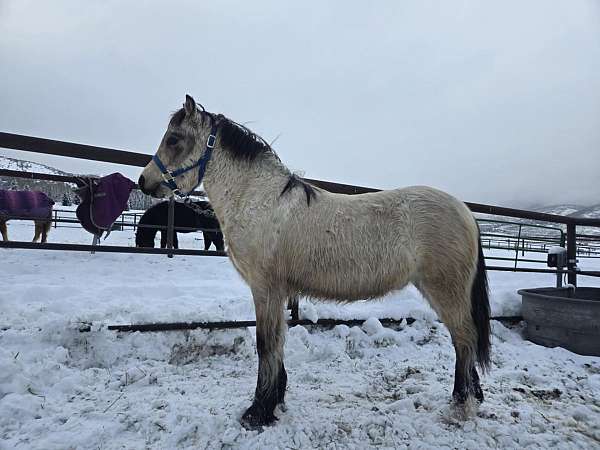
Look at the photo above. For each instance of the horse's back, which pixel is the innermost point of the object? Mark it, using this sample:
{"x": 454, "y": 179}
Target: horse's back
{"x": 359, "y": 246}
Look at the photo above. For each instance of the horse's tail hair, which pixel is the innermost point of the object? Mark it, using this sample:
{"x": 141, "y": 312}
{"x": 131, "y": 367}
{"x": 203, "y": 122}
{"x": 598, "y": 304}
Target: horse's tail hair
{"x": 480, "y": 311}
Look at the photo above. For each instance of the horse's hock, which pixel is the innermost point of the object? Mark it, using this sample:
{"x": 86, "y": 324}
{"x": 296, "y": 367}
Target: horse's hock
{"x": 567, "y": 317}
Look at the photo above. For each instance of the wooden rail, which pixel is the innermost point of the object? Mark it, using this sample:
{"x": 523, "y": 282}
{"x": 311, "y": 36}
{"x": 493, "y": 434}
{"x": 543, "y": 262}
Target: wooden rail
{"x": 104, "y": 154}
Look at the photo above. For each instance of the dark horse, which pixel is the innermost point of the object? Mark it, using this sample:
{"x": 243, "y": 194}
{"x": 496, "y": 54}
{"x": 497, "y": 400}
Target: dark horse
{"x": 199, "y": 216}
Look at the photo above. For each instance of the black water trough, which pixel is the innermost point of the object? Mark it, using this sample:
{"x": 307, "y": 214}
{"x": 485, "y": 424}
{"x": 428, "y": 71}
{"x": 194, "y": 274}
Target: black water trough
{"x": 565, "y": 317}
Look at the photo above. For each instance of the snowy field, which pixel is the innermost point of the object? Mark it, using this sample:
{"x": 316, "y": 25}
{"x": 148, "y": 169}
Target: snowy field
{"x": 359, "y": 387}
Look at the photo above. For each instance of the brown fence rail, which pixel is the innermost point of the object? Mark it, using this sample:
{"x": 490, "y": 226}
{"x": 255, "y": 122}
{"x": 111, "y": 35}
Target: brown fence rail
{"x": 103, "y": 154}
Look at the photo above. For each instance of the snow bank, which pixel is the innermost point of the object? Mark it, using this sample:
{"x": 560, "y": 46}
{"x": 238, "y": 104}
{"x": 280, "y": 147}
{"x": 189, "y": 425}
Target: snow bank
{"x": 349, "y": 387}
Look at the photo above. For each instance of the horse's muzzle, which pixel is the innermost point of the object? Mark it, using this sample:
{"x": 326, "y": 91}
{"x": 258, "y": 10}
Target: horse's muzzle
{"x": 141, "y": 185}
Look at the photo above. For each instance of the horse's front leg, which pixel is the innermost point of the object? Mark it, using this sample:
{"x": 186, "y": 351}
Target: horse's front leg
{"x": 272, "y": 377}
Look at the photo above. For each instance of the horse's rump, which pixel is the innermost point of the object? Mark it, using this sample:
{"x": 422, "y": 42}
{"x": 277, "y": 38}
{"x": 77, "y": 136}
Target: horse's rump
{"x": 33, "y": 205}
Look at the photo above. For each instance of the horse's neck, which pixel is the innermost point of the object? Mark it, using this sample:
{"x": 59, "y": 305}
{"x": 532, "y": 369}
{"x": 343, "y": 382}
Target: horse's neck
{"x": 242, "y": 192}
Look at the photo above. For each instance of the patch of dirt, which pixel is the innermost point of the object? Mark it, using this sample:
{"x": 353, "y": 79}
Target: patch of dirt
{"x": 541, "y": 394}
{"x": 190, "y": 352}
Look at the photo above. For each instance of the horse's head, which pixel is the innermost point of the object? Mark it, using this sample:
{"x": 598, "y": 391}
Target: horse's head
{"x": 183, "y": 153}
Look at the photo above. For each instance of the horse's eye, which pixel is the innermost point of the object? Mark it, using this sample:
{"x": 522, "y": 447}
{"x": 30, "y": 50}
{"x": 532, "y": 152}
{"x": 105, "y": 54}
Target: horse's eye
{"x": 172, "y": 140}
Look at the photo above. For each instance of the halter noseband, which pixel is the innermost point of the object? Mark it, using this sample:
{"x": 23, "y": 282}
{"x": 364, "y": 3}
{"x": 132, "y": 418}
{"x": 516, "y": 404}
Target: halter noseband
{"x": 169, "y": 177}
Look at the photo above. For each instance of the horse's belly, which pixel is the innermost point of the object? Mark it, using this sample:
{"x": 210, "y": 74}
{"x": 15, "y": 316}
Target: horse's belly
{"x": 350, "y": 285}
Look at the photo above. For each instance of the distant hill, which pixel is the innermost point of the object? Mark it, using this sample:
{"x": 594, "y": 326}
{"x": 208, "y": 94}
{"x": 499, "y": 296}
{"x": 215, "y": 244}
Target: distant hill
{"x": 496, "y": 225}
{"x": 28, "y": 166}
{"x": 571, "y": 210}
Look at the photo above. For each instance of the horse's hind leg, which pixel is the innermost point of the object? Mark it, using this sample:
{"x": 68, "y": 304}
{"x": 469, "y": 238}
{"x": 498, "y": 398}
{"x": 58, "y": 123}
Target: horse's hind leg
{"x": 4, "y": 230}
{"x": 219, "y": 242}
{"x": 292, "y": 305}
{"x": 38, "y": 231}
{"x": 45, "y": 230}
{"x": 272, "y": 377}
{"x": 207, "y": 240}
{"x": 454, "y": 309}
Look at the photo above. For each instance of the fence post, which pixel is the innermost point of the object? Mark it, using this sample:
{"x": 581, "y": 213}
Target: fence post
{"x": 517, "y": 246}
{"x": 572, "y": 253}
{"x": 170, "y": 225}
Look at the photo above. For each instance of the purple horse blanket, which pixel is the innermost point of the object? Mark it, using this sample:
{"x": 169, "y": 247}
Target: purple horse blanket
{"x": 25, "y": 205}
{"x": 102, "y": 201}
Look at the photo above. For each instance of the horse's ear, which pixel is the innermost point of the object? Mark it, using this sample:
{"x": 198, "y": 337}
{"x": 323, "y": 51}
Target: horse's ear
{"x": 189, "y": 106}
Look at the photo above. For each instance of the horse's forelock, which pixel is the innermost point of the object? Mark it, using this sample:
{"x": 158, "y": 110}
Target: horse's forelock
{"x": 177, "y": 117}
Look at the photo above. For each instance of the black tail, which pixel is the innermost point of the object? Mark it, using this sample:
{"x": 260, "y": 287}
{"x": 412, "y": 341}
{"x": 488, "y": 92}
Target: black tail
{"x": 480, "y": 312}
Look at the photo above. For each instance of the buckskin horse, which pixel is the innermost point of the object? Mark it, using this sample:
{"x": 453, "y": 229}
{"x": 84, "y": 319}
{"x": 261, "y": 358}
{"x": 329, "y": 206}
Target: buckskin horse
{"x": 287, "y": 238}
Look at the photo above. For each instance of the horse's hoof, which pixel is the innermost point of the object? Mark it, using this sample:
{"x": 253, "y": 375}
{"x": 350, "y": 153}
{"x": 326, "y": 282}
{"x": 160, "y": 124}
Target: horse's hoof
{"x": 256, "y": 417}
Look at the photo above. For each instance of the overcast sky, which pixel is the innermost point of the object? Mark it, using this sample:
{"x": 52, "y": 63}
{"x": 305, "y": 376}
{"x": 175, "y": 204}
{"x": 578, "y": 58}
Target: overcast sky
{"x": 495, "y": 102}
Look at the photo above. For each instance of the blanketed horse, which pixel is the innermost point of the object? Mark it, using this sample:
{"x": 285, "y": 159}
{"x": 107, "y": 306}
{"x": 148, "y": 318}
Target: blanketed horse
{"x": 26, "y": 205}
{"x": 192, "y": 217}
{"x": 287, "y": 238}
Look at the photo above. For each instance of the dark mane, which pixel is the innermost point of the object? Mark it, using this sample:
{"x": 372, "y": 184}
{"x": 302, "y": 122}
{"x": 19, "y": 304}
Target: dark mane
{"x": 245, "y": 145}
{"x": 235, "y": 138}
{"x": 294, "y": 181}
{"x": 241, "y": 142}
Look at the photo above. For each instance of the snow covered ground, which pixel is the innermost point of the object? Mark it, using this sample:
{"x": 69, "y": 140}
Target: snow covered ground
{"x": 359, "y": 387}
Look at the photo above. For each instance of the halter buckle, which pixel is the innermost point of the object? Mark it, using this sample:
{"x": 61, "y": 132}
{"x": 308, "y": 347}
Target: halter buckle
{"x": 210, "y": 141}
{"x": 169, "y": 178}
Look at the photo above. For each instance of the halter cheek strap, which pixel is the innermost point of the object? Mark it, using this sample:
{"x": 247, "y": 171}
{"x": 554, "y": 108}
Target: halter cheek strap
{"x": 169, "y": 177}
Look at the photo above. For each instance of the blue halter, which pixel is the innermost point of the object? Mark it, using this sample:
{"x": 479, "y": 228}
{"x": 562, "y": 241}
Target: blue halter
{"x": 169, "y": 177}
